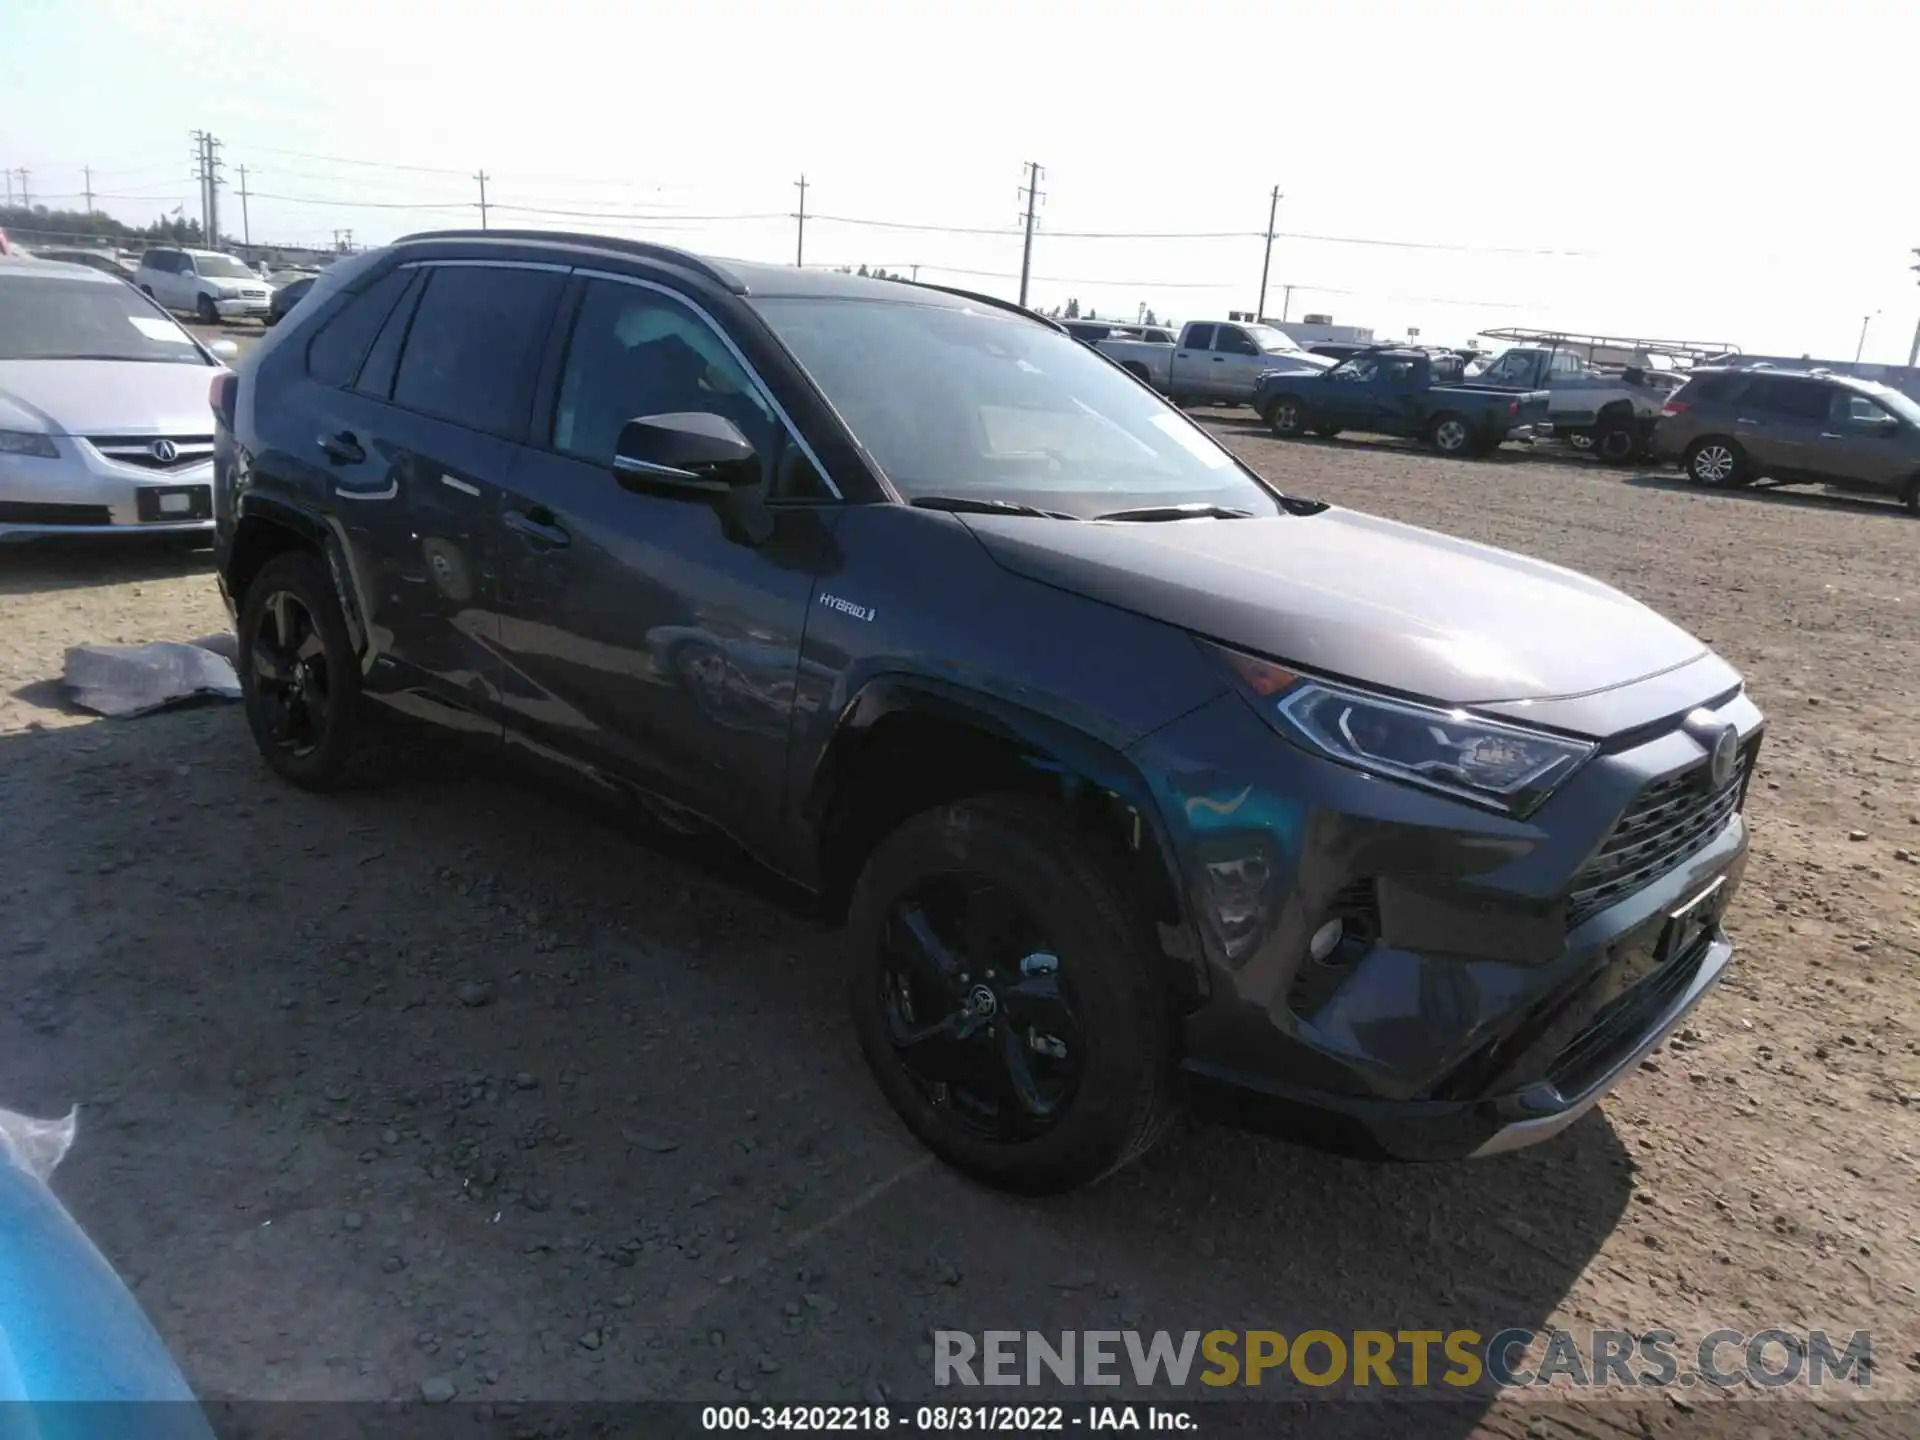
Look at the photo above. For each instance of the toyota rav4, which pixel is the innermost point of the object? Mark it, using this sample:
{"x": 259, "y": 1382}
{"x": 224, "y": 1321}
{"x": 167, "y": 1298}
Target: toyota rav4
{"x": 1138, "y": 779}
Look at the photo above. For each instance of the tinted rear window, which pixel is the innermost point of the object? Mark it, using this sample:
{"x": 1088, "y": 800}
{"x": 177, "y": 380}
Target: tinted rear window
{"x": 337, "y": 348}
{"x": 470, "y": 348}
{"x": 1800, "y": 399}
{"x": 1707, "y": 388}
{"x": 1199, "y": 337}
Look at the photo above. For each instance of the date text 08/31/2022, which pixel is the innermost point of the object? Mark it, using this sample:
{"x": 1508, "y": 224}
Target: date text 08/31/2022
{"x": 943, "y": 1419}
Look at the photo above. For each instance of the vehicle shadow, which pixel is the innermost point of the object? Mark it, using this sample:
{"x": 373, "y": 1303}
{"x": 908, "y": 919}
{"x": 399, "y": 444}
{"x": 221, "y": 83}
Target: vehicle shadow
{"x": 55, "y": 564}
{"x": 549, "y": 1061}
{"x": 1763, "y": 493}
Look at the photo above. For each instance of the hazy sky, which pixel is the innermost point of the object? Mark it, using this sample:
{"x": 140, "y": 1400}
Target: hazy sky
{"x": 1678, "y": 169}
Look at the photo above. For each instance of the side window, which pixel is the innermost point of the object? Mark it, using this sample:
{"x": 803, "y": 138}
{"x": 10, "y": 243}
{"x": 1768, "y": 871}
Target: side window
{"x": 1715, "y": 389}
{"x": 1358, "y": 371}
{"x": 636, "y": 352}
{"x": 383, "y": 358}
{"x": 334, "y": 353}
{"x": 187, "y": 264}
{"x": 1564, "y": 363}
{"x": 1792, "y": 399}
{"x": 1857, "y": 411}
{"x": 1508, "y": 368}
{"x": 1235, "y": 342}
{"x": 1199, "y": 337}
{"x": 162, "y": 260}
{"x": 470, "y": 351}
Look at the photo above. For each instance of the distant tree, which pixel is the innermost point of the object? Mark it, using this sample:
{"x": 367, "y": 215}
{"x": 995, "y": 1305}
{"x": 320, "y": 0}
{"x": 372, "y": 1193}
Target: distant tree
{"x": 1150, "y": 319}
{"x": 78, "y": 225}
{"x": 1073, "y": 309}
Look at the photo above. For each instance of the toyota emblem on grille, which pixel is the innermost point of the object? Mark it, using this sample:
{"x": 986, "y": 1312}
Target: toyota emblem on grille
{"x": 1721, "y": 741}
{"x": 165, "y": 451}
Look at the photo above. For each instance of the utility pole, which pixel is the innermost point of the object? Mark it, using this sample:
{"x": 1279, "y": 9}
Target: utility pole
{"x": 9, "y": 189}
{"x": 213, "y": 193}
{"x": 1032, "y": 191}
{"x": 1913, "y": 353}
{"x": 481, "y": 176}
{"x": 87, "y": 170}
{"x": 800, "y": 236}
{"x": 916, "y": 274}
{"x": 1858, "y": 350}
{"x": 1286, "y": 301}
{"x": 1273, "y": 208}
{"x": 26, "y": 199}
{"x": 246, "y": 223}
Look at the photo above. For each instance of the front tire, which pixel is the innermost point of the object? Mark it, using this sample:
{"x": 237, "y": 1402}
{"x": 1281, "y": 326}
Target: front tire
{"x": 1286, "y": 419}
{"x": 300, "y": 680}
{"x": 1716, "y": 463}
{"x": 1912, "y": 498}
{"x": 203, "y": 309}
{"x": 1003, "y": 990}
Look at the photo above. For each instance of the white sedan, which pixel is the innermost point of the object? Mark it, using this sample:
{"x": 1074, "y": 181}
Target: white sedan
{"x": 105, "y": 426}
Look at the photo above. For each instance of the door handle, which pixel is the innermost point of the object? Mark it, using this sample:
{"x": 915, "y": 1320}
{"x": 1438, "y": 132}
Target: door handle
{"x": 538, "y": 525}
{"x": 341, "y": 449}
{"x": 1744, "y": 420}
{"x": 1829, "y": 435}
{"x": 1219, "y": 359}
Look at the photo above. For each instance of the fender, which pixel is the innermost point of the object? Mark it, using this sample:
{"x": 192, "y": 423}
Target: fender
{"x": 325, "y": 534}
{"x": 1080, "y": 767}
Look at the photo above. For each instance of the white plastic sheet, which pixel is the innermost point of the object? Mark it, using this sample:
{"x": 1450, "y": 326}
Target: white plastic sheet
{"x": 124, "y": 680}
{"x": 36, "y": 1146}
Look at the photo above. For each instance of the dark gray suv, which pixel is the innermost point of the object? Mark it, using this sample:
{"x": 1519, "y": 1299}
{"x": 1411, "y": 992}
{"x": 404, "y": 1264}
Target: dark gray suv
{"x": 1136, "y": 777}
{"x": 1728, "y": 427}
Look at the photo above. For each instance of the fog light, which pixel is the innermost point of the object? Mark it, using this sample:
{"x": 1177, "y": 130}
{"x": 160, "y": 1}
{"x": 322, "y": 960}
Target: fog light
{"x": 1325, "y": 938}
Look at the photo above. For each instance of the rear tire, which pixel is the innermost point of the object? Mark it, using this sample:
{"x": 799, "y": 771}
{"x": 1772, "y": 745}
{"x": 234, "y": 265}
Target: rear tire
{"x": 300, "y": 681}
{"x": 1450, "y": 434}
{"x": 1286, "y": 419}
{"x": 1616, "y": 442}
{"x": 1716, "y": 463}
{"x": 994, "y": 942}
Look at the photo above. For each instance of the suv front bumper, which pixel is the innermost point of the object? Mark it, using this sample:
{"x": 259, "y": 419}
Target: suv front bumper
{"x": 1470, "y": 1009}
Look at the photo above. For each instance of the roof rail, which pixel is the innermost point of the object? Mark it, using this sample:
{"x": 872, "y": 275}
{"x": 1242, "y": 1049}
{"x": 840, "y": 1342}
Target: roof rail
{"x": 1000, "y": 304}
{"x": 642, "y": 249}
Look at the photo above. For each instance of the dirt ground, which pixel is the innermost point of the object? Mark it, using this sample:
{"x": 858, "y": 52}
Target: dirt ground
{"x": 453, "y": 1082}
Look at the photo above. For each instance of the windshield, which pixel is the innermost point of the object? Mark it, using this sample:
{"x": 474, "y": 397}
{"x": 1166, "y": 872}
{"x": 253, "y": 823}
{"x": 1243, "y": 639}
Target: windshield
{"x": 222, "y": 267}
{"x": 982, "y": 405}
{"x": 53, "y": 319}
{"x": 1273, "y": 341}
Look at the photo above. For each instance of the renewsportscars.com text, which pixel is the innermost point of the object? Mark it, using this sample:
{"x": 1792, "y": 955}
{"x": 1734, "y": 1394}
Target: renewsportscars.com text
{"x": 1453, "y": 1359}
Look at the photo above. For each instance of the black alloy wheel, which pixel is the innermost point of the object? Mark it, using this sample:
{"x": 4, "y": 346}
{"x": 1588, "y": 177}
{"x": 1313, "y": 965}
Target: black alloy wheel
{"x": 976, "y": 1008}
{"x": 290, "y": 674}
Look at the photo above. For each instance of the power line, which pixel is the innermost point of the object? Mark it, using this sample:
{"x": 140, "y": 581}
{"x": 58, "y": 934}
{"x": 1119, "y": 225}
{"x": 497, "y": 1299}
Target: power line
{"x": 370, "y": 164}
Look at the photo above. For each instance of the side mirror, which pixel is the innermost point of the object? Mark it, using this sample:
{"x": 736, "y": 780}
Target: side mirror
{"x": 697, "y": 454}
{"x": 224, "y": 350}
{"x": 693, "y": 450}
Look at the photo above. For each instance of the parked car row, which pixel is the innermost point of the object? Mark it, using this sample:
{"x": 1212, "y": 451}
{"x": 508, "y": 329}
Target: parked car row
{"x": 1399, "y": 390}
{"x": 1139, "y": 779}
{"x": 1211, "y": 361}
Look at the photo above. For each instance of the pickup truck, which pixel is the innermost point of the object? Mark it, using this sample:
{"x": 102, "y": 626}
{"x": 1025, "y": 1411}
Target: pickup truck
{"x": 1606, "y": 409}
{"x": 1213, "y": 362}
{"x": 1398, "y": 391}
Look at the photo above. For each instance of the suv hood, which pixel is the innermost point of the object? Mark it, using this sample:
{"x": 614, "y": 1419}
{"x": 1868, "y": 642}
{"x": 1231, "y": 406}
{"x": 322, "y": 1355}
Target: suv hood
{"x": 1353, "y": 595}
{"x": 106, "y": 397}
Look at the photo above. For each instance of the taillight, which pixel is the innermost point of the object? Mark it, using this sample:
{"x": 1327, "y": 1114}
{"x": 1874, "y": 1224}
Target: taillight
{"x": 1513, "y": 407}
{"x": 1672, "y": 407}
{"x": 221, "y": 394}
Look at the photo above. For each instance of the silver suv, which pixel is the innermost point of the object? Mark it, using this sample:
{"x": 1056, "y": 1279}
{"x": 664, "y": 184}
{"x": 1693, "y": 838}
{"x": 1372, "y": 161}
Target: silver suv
{"x": 204, "y": 283}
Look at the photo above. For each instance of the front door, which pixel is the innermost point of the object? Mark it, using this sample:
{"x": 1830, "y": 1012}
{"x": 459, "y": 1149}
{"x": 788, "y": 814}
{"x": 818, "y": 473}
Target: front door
{"x": 643, "y": 635}
{"x": 1238, "y": 363}
{"x": 1861, "y": 444}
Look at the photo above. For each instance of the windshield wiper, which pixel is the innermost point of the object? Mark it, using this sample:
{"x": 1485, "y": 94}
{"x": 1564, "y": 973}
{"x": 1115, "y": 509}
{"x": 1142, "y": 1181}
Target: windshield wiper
{"x": 1178, "y": 512}
{"x": 964, "y": 505}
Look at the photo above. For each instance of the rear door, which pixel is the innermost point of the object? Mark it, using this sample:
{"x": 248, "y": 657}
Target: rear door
{"x": 1779, "y": 423}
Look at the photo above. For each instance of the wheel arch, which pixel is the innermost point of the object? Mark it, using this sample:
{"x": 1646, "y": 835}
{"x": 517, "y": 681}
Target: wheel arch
{"x": 268, "y": 529}
{"x": 906, "y": 744}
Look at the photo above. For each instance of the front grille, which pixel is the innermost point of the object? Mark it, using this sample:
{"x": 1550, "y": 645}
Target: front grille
{"x": 138, "y": 450}
{"x": 27, "y": 512}
{"x": 1621, "y": 1023}
{"x": 1669, "y": 823}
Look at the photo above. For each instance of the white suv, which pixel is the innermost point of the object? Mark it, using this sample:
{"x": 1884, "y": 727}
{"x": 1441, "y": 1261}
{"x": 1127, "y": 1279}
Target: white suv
{"x": 210, "y": 286}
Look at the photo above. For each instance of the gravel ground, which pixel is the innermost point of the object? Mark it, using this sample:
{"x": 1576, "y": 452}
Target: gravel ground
{"x": 453, "y": 1084}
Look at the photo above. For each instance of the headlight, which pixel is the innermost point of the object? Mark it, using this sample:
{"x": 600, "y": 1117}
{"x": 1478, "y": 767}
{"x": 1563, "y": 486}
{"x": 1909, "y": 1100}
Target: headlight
{"x": 27, "y": 442}
{"x": 1506, "y": 767}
